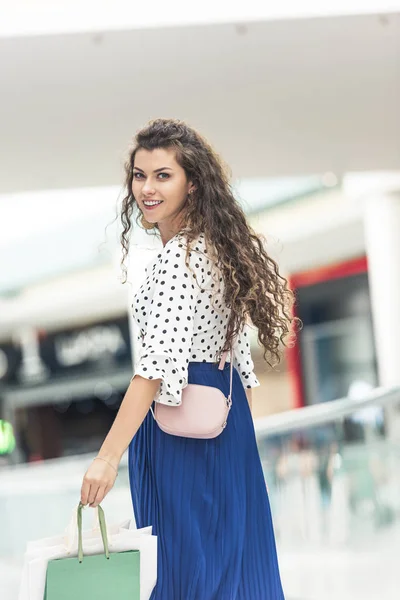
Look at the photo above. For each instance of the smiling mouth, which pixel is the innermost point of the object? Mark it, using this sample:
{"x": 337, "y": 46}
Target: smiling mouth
{"x": 158, "y": 202}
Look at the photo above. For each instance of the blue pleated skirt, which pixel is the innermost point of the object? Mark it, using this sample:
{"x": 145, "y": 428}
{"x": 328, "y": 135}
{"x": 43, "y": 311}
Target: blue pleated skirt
{"x": 208, "y": 504}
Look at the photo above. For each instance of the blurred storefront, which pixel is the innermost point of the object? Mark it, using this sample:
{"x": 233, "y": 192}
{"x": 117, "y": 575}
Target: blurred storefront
{"x": 61, "y": 389}
{"x": 339, "y": 248}
{"x": 336, "y": 352}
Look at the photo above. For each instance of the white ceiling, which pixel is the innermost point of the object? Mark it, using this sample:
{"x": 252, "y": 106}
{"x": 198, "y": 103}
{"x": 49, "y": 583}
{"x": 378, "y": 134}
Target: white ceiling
{"x": 275, "y": 98}
{"x": 46, "y": 17}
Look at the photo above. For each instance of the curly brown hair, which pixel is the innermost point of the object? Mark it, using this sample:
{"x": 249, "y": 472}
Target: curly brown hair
{"x": 253, "y": 288}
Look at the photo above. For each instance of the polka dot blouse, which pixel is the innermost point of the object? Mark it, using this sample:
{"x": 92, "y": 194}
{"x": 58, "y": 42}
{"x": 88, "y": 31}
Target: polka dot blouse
{"x": 182, "y": 318}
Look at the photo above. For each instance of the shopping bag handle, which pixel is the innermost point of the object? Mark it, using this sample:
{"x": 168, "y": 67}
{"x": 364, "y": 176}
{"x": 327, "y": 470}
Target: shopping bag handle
{"x": 103, "y": 530}
{"x": 70, "y": 537}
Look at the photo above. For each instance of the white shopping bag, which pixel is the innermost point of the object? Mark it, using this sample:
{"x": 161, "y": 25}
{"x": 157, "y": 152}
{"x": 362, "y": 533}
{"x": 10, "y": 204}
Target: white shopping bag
{"x": 70, "y": 536}
{"x": 120, "y": 538}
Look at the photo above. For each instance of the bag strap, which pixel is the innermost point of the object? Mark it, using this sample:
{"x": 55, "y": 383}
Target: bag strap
{"x": 103, "y": 530}
{"x": 221, "y": 366}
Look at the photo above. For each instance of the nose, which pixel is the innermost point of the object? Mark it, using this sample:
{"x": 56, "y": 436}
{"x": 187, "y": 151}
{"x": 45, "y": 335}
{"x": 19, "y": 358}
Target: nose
{"x": 147, "y": 188}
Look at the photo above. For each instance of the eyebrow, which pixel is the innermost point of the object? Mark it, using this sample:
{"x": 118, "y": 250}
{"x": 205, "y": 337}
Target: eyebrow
{"x": 155, "y": 170}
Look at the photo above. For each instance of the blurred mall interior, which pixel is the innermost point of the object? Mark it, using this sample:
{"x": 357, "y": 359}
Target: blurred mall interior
{"x": 304, "y": 108}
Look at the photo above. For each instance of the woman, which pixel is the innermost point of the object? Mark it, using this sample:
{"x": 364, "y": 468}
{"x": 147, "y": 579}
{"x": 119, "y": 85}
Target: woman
{"x": 205, "y": 498}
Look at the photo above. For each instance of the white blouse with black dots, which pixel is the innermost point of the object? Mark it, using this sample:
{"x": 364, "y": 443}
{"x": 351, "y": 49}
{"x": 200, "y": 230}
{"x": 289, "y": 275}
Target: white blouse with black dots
{"x": 178, "y": 323}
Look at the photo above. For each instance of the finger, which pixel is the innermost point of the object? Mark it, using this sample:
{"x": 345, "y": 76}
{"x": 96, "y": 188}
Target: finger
{"x": 101, "y": 492}
{"x": 85, "y": 490}
{"x": 93, "y": 492}
{"x": 106, "y": 490}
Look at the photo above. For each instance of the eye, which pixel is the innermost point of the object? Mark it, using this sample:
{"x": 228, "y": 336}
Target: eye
{"x": 138, "y": 175}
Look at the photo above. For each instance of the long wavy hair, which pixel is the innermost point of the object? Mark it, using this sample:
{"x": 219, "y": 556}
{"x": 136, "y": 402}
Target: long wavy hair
{"x": 253, "y": 288}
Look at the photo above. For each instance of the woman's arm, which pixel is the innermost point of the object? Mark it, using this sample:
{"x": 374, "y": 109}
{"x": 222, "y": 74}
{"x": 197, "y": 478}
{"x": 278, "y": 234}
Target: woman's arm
{"x": 101, "y": 475}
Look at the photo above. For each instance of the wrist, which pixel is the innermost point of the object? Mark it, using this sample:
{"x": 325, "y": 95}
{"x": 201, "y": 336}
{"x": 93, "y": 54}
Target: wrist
{"x": 111, "y": 457}
{"x": 103, "y": 460}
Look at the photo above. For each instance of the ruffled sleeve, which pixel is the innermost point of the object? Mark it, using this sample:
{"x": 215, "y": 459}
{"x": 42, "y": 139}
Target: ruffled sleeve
{"x": 166, "y": 346}
{"x": 242, "y": 359}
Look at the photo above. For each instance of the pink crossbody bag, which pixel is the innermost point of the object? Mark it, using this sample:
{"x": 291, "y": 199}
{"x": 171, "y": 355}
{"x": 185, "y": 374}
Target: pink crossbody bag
{"x": 203, "y": 413}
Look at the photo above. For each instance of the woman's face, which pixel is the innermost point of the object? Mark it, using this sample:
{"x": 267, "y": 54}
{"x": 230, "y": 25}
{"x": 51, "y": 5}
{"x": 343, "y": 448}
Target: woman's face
{"x": 158, "y": 177}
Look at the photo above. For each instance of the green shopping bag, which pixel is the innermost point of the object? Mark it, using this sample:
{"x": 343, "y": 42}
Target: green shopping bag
{"x": 114, "y": 576}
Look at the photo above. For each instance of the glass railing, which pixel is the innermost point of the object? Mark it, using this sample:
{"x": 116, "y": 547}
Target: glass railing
{"x": 333, "y": 475}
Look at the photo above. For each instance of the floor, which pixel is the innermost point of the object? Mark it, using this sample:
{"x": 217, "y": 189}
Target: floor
{"x": 331, "y": 576}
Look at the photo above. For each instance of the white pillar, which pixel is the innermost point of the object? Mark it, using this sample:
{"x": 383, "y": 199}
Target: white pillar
{"x": 382, "y": 236}
{"x": 380, "y": 197}
{"x": 379, "y": 194}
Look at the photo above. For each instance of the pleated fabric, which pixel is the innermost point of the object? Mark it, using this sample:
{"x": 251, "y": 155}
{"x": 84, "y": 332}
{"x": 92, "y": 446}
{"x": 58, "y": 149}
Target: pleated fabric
{"x": 208, "y": 504}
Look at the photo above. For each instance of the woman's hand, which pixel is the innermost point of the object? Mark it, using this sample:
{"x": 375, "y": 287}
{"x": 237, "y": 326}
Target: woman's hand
{"x": 100, "y": 476}
{"x": 97, "y": 482}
